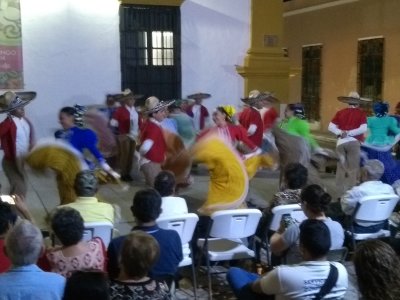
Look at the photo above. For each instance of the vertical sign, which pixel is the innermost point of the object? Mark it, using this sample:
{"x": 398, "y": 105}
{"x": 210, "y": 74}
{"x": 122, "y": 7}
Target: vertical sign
{"x": 11, "y": 71}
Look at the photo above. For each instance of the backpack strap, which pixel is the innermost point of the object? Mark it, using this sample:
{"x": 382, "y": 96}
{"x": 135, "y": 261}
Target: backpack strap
{"x": 329, "y": 283}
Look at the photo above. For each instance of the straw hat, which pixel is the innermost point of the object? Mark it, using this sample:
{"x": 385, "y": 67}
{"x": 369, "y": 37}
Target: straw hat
{"x": 353, "y": 99}
{"x": 153, "y": 104}
{"x": 10, "y": 101}
{"x": 199, "y": 96}
{"x": 126, "y": 95}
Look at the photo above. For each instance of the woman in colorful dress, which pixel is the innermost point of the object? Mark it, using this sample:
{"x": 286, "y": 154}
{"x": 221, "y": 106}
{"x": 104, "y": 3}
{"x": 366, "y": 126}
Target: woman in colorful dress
{"x": 384, "y": 133}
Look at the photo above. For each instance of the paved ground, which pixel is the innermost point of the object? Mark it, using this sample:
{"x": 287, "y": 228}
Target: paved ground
{"x": 43, "y": 197}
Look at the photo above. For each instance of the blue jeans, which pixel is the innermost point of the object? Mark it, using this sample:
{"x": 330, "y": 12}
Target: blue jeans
{"x": 369, "y": 229}
{"x": 239, "y": 280}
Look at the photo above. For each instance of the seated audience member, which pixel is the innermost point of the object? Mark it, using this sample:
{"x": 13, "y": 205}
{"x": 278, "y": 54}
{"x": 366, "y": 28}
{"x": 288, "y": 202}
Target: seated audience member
{"x": 25, "y": 280}
{"x": 83, "y": 285}
{"x": 302, "y": 281}
{"x": 8, "y": 217}
{"x": 74, "y": 253}
{"x": 370, "y": 185}
{"x": 295, "y": 178}
{"x": 378, "y": 274}
{"x": 171, "y": 205}
{"x": 314, "y": 202}
{"x": 146, "y": 209}
{"x": 89, "y": 207}
{"x": 139, "y": 253}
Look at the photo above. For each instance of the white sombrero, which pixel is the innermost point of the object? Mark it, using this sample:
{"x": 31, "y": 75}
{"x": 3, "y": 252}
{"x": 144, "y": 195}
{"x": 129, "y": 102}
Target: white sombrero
{"x": 10, "y": 101}
{"x": 153, "y": 104}
{"x": 353, "y": 98}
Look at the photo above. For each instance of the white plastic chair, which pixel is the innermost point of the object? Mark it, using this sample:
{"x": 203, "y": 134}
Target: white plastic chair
{"x": 184, "y": 225}
{"x": 224, "y": 241}
{"x": 294, "y": 210}
{"x": 103, "y": 230}
{"x": 372, "y": 209}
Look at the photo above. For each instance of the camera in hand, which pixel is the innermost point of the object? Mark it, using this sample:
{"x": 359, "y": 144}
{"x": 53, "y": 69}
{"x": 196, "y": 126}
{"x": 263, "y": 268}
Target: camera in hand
{"x": 288, "y": 220}
{"x": 7, "y": 199}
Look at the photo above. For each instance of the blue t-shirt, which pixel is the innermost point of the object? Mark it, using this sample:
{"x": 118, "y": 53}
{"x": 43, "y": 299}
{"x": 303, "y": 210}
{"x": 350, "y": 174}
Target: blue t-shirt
{"x": 170, "y": 252}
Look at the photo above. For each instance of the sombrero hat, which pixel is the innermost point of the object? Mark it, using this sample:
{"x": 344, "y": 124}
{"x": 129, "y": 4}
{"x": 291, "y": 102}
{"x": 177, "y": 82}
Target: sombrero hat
{"x": 153, "y": 104}
{"x": 127, "y": 94}
{"x": 269, "y": 96}
{"x": 199, "y": 96}
{"x": 10, "y": 101}
{"x": 254, "y": 95}
{"x": 353, "y": 98}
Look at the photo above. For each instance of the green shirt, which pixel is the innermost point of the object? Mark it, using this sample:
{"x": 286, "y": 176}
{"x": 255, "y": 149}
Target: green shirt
{"x": 299, "y": 127}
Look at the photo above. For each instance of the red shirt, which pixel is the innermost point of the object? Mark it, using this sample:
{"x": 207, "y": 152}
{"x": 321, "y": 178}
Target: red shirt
{"x": 269, "y": 118}
{"x": 152, "y": 131}
{"x": 5, "y": 263}
{"x": 233, "y": 132}
{"x": 203, "y": 115}
{"x": 350, "y": 118}
{"x": 8, "y": 137}
{"x": 250, "y": 116}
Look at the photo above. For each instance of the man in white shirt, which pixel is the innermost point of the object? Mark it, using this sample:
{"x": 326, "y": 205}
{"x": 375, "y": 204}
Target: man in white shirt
{"x": 302, "y": 281}
{"x": 16, "y": 134}
{"x": 126, "y": 121}
{"x": 370, "y": 185}
{"x": 171, "y": 205}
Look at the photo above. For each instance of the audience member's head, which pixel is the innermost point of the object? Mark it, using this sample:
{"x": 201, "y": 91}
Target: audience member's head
{"x": 314, "y": 200}
{"x": 67, "y": 224}
{"x": 85, "y": 184}
{"x": 315, "y": 239}
{"x": 378, "y": 275}
{"x": 373, "y": 169}
{"x": 164, "y": 183}
{"x": 295, "y": 176}
{"x": 146, "y": 206}
{"x": 7, "y": 217}
{"x": 24, "y": 244}
{"x": 83, "y": 285}
{"x": 140, "y": 251}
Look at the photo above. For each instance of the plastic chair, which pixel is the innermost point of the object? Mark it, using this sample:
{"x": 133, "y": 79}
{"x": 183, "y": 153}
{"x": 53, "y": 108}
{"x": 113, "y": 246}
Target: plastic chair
{"x": 294, "y": 210}
{"x": 338, "y": 255}
{"x": 103, "y": 230}
{"x": 373, "y": 209}
{"x": 184, "y": 225}
{"x": 262, "y": 240}
{"x": 224, "y": 240}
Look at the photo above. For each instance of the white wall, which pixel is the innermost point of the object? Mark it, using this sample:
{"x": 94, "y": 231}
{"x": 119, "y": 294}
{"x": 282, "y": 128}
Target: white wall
{"x": 215, "y": 38}
{"x": 71, "y": 52}
{"x": 71, "y": 55}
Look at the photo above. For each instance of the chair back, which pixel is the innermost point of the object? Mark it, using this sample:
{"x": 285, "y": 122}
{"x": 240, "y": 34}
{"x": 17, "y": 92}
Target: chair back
{"x": 102, "y": 230}
{"x": 234, "y": 223}
{"x": 376, "y": 208}
{"x": 183, "y": 224}
{"x": 294, "y": 210}
{"x": 338, "y": 255}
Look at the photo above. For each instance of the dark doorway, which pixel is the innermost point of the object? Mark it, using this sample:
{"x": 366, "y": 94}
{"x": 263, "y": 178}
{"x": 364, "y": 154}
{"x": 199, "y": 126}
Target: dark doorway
{"x": 151, "y": 50}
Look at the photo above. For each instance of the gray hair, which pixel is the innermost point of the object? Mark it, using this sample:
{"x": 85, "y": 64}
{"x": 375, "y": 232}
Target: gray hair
{"x": 85, "y": 184}
{"x": 374, "y": 169}
{"x": 24, "y": 243}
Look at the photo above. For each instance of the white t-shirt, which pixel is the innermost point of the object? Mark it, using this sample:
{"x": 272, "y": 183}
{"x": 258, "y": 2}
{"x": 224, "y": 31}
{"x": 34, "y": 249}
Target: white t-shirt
{"x": 292, "y": 234}
{"x": 172, "y": 205}
{"x": 22, "y": 137}
{"x": 303, "y": 281}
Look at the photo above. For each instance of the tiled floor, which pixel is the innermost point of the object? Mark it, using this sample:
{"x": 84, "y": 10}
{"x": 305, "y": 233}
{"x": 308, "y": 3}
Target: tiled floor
{"x": 43, "y": 197}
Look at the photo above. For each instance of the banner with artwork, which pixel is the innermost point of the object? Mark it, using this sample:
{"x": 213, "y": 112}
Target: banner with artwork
{"x": 11, "y": 70}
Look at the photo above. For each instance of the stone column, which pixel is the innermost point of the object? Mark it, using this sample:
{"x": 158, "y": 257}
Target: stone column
{"x": 265, "y": 66}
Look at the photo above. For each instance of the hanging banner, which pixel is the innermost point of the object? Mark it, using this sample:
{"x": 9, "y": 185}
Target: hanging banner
{"x": 11, "y": 71}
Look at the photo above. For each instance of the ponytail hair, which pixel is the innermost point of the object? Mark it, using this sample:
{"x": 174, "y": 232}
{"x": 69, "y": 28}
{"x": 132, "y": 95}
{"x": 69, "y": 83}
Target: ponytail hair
{"x": 316, "y": 198}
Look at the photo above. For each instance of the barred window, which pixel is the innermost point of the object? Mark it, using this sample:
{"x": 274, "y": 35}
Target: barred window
{"x": 311, "y": 81}
{"x": 370, "y": 68}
